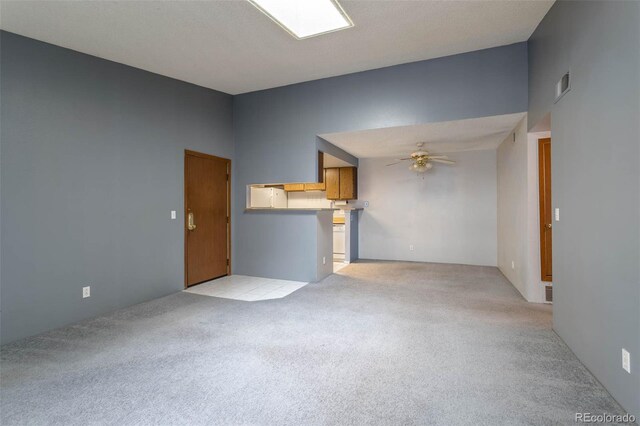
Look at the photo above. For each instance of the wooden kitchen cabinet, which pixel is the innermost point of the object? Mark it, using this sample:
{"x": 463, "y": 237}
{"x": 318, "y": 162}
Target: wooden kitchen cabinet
{"x": 348, "y": 183}
{"x": 299, "y": 187}
{"x": 332, "y": 181}
{"x": 342, "y": 183}
{"x": 294, "y": 187}
{"x": 315, "y": 186}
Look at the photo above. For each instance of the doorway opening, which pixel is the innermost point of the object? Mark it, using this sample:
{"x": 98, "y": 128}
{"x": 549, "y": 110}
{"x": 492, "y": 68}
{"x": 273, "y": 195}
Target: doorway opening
{"x": 540, "y": 211}
{"x": 207, "y": 213}
{"x": 546, "y": 216}
{"x": 340, "y": 180}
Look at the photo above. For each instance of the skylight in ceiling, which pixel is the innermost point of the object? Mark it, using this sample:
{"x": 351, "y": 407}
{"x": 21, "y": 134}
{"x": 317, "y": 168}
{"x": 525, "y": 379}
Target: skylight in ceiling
{"x": 305, "y": 18}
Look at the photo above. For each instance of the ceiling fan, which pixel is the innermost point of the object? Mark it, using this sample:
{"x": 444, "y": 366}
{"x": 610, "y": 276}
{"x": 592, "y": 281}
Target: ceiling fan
{"x": 421, "y": 160}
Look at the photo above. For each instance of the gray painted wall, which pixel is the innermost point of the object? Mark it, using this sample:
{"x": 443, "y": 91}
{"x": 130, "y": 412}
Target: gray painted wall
{"x": 352, "y": 237}
{"x": 92, "y": 164}
{"x": 276, "y": 129}
{"x": 595, "y": 149}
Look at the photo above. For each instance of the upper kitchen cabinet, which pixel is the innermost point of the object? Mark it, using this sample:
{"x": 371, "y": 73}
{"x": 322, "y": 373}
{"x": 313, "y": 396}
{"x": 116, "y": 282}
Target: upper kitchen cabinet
{"x": 332, "y": 182}
{"x": 348, "y": 183}
{"x": 341, "y": 183}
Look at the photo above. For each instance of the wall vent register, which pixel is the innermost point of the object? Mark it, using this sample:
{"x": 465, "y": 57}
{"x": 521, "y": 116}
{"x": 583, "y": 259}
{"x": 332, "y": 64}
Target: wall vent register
{"x": 563, "y": 86}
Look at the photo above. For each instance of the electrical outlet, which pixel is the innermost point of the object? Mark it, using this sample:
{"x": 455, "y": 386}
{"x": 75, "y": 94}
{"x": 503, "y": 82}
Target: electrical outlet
{"x": 513, "y": 264}
{"x": 410, "y": 247}
{"x": 626, "y": 360}
{"x": 324, "y": 260}
{"x": 86, "y": 292}
{"x": 173, "y": 214}
{"x": 366, "y": 204}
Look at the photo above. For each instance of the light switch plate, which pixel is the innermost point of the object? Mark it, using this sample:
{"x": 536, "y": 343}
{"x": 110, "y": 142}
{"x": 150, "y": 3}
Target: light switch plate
{"x": 626, "y": 360}
{"x": 557, "y": 214}
{"x": 86, "y": 292}
{"x": 173, "y": 214}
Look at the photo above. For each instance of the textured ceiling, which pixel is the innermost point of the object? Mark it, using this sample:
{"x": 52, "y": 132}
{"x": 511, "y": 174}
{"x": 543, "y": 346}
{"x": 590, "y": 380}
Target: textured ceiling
{"x": 231, "y": 46}
{"x": 447, "y": 136}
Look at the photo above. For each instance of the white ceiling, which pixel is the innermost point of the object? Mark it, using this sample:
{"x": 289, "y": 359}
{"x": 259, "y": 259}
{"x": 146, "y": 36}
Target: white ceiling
{"x": 230, "y": 46}
{"x": 448, "y": 136}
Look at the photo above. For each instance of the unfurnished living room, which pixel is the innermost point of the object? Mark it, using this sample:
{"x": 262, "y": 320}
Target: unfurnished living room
{"x": 319, "y": 212}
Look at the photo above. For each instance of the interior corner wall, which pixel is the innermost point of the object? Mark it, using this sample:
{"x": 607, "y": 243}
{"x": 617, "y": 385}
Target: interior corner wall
{"x": 595, "y": 167}
{"x": 447, "y": 215}
{"x": 513, "y": 241}
{"x": 518, "y": 213}
{"x": 275, "y": 134}
{"x": 92, "y": 159}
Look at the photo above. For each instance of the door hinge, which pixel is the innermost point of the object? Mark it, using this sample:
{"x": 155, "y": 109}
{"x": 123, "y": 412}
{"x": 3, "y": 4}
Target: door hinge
{"x": 227, "y": 262}
{"x": 227, "y": 177}
{"x": 227, "y": 219}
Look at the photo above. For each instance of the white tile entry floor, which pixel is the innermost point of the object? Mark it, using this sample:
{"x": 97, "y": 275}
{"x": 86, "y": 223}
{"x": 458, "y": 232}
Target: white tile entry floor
{"x": 249, "y": 289}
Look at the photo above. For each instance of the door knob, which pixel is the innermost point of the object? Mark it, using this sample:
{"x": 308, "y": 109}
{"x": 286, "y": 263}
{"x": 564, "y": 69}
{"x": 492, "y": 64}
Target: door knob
{"x": 549, "y": 225}
{"x": 191, "y": 224}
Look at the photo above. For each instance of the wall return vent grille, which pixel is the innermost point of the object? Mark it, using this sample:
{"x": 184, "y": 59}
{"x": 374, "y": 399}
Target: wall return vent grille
{"x": 563, "y": 86}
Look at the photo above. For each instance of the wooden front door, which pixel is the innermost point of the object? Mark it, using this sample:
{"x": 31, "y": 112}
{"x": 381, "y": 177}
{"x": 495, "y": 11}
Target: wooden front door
{"x": 207, "y": 217}
{"x": 544, "y": 173}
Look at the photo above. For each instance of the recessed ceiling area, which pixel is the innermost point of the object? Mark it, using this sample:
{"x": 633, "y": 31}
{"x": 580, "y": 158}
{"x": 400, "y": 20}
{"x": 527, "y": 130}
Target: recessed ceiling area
{"x": 232, "y": 47}
{"x": 444, "y": 137}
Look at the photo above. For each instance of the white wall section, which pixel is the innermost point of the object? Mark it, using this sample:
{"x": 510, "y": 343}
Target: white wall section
{"x": 449, "y": 216}
{"x": 324, "y": 249}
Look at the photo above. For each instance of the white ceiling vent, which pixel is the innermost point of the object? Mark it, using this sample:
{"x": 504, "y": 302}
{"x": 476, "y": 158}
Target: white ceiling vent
{"x": 563, "y": 86}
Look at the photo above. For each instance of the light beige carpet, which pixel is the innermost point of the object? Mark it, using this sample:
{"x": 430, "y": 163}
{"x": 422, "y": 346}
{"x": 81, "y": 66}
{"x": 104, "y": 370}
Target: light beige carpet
{"x": 379, "y": 343}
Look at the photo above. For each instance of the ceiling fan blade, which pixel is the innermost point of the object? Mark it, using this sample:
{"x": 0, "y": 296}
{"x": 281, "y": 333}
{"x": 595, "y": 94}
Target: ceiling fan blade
{"x": 438, "y": 157}
{"x": 391, "y": 164}
{"x": 398, "y": 160}
{"x": 442, "y": 161}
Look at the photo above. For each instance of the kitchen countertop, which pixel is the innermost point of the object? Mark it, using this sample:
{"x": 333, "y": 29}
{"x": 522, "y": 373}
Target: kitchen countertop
{"x": 290, "y": 209}
{"x": 311, "y": 209}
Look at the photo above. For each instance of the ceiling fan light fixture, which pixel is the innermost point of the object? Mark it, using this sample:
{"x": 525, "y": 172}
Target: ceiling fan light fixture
{"x": 420, "y": 167}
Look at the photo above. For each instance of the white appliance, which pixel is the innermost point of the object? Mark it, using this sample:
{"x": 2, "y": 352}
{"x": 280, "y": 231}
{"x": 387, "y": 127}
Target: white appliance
{"x": 268, "y": 198}
{"x": 338, "y": 242}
